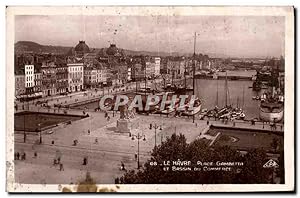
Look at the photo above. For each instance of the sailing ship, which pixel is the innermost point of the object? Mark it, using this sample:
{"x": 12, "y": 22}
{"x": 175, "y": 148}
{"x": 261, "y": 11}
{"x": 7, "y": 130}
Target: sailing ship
{"x": 228, "y": 111}
{"x": 197, "y": 103}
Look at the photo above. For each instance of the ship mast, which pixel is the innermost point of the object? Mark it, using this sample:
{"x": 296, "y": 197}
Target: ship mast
{"x": 185, "y": 74}
{"x": 243, "y": 96}
{"x": 194, "y": 65}
{"x": 217, "y": 101}
{"x": 226, "y": 90}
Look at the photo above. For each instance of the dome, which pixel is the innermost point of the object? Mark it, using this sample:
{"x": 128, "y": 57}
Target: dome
{"x": 112, "y": 50}
{"x": 82, "y": 47}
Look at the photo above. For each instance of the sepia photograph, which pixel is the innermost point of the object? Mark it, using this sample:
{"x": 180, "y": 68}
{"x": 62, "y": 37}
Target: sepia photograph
{"x": 100, "y": 99}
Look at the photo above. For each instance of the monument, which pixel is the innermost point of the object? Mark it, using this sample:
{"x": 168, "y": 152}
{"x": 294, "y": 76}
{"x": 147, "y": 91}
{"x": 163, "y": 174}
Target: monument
{"x": 124, "y": 124}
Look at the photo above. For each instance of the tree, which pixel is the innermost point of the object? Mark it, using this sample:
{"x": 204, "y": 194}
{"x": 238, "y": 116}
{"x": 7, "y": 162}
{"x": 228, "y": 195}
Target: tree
{"x": 253, "y": 171}
{"x": 275, "y": 144}
{"x": 176, "y": 148}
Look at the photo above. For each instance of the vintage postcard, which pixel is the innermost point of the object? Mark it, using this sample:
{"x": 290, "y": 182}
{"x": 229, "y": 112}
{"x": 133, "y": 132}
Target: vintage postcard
{"x": 174, "y": 99}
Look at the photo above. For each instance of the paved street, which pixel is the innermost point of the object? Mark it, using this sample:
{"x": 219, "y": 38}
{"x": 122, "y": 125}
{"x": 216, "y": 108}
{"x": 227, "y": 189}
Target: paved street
{"x": 104, "y": 157}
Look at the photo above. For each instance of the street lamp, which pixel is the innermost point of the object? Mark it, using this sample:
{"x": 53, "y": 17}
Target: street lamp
{"x": 138, "y": 136}
{"x": 40, "y": 132}
{"x": 155, "y": 126}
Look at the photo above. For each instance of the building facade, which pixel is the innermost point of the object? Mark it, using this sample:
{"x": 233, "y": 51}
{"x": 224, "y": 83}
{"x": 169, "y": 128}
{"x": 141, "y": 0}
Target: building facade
{"x": 75, "y": 76}
{"x": 48, "y": 71}
{"x": 157, "y": 66}
{"x": 38, "y": 82}
{"x": 90, "y": 77}
{"x": 29, "y": 79}
{"x": 19, "y": 85}
{"x": 62, "y": 84}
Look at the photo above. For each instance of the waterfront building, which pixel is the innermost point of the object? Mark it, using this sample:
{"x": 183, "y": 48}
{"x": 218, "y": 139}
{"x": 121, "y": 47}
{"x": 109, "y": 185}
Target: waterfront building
{"x": 75, "y": 76}
{"x": 157, "y": 66}
{"x": 62, "y": 84}
{"x": 38, "y": 83}
{"x": 138, "y": 72}
{"x": 48, "y": 71}
{"x": 29, "y": 79}
{"x": 123, "y": 73}
{"x": 163, "y": 66}
{"x": 129, "y": 74}
{"x": 176, "y": 67}
{"x": 90, "y": 77}
{"x": 150, "y": 69}
{"x": 19, "y": 83}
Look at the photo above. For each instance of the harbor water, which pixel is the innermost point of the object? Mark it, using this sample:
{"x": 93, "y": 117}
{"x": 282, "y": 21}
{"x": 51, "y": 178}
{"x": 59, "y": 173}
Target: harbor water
{"x": 208, "y": 89}
{"x": 212, "y": 93}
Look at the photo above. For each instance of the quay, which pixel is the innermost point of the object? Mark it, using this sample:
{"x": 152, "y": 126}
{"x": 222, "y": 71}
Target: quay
{"x": 230, "y": 75}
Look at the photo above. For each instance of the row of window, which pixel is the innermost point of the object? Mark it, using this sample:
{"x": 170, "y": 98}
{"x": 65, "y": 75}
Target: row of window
{"x": 29, "y": 78}
{"x": 29, "y": 84}
{"x": 75, "y": 69}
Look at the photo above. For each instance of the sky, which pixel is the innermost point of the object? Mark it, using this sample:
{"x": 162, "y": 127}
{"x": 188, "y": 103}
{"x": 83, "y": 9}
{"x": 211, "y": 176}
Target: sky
{"x": 233, "y": 36}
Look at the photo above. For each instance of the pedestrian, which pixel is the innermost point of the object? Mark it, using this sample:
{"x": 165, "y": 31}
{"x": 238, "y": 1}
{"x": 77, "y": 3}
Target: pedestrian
{"x": 271, "y": 126}
{"x": 135, "y": 156}
{"x": 54, "y": 162}
{"x": 122, "y": 166}
{"x": 18, "y": 155}
{"x": 207, "y": 122}
{"x": 84, "y": 161}
{"x": 108, "y": 118}
{"x": 35, "y": 155}
{"x": 24, "y": 156}
{"x": 52, "y": 142}
{"x": 58, "y": 160}
{"x": 89, "y": 132}
{"x": 96, "y": 141}
{"x": 61, "y": 167}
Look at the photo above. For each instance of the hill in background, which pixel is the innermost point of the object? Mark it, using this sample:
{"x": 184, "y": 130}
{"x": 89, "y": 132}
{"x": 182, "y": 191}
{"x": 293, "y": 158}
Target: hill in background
{"x": 33, "y": 47}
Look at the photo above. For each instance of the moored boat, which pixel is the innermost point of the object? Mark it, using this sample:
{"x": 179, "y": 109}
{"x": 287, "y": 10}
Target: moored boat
{"x": 272, "y": 107}
{"x": 271, "y": 111}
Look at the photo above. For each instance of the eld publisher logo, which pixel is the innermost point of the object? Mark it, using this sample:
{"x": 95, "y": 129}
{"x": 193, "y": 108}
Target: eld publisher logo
{"x": 271, "y": 164}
